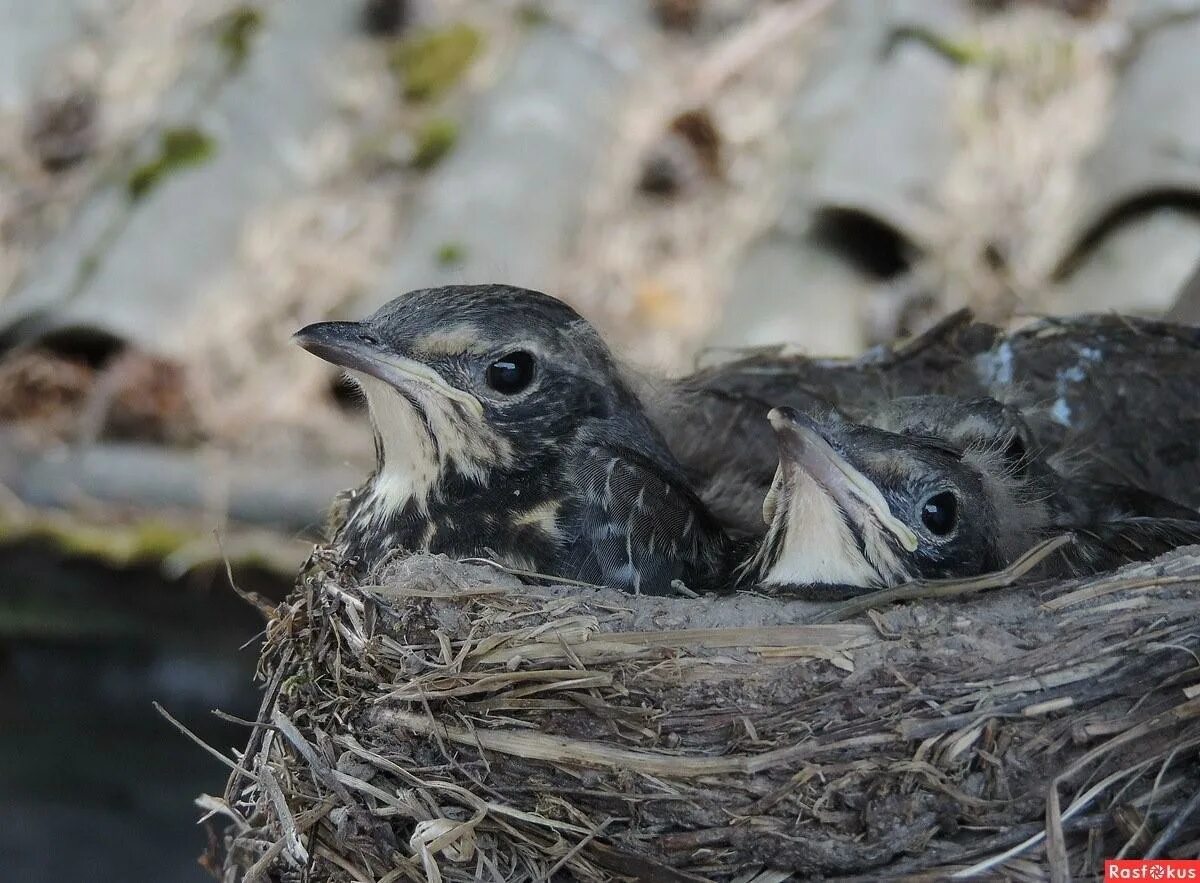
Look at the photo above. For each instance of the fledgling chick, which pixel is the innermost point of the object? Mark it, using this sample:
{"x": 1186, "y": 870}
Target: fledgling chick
{"x": 854, "y": 507}
{"x": 981, "y": 422}
{"x": 504, "y": 428}
{"x": 955, "y": 492}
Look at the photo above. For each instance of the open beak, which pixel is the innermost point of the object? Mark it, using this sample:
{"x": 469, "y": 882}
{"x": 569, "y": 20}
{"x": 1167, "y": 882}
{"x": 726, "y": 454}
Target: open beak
{"x": 349, "y": 346}
{"x": 802, "y": 443}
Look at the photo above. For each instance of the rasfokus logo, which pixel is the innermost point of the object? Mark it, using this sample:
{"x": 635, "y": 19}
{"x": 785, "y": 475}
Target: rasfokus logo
{"x": 1151, "y": 869}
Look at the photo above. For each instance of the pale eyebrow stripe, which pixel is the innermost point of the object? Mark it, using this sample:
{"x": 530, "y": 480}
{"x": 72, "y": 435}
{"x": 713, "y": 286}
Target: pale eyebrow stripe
{"x": 450, "y": 341}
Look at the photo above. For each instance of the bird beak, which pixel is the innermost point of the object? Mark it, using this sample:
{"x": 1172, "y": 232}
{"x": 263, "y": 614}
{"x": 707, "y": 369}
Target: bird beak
{"x": 804, "y": 445}
{"x": 348, "y": 345}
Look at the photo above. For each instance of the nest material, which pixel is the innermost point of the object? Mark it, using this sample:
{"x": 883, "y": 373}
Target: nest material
{"x": 448, "y": 723}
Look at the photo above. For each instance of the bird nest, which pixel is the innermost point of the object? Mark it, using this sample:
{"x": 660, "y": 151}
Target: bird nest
{"x": 443, "y": 721}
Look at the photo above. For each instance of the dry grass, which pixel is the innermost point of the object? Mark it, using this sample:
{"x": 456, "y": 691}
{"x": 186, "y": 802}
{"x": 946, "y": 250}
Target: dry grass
{"x": 444, "y": 722}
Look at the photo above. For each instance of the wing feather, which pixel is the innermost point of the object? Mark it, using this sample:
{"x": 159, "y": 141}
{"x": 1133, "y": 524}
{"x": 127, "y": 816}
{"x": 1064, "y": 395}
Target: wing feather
{"x": 1111, "y": 544}
{"x": 641, "y": 527}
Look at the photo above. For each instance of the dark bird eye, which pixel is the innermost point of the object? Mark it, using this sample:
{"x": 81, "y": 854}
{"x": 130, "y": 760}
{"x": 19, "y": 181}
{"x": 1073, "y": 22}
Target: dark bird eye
{"x": 940, "y": 513}
{"x": 511, "y": 374}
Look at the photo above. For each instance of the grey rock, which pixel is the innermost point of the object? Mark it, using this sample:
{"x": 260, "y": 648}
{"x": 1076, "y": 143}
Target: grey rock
{"x": 793, "y": 290}
{"x": 1138, "y": 267}
{"x": 886, "y": 163}
{"x": 1187, "y": 304}
{"x": 510, "y": 195}
{"x": 871, "y": 135}
{"x": 32, "y": 33}
{"x": 133, "y": 270}
{"x": 1150, "y": 153}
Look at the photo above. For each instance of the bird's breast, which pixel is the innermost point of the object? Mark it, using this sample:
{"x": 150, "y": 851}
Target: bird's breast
{"x": 521, "y": 525}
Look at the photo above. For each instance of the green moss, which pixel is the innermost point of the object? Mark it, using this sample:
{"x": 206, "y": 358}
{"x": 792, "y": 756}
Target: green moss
{"x": 89, "y": 265}
{"x": 532, "y": 15}
{"x": 451, "y": 254}
{"x": 434, "y": 140}
{"x": 238, "y": 30}
{"x": 118, "y": 545}
{"x": 961, "y": 52}
{"x": 143, "y": 180}
{"x": 150, "y": 541}
{"x": 179, "y": 149}
{"x": 431, "y": 63}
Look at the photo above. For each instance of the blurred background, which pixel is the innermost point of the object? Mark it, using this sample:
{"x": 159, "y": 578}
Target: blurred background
{"x": 183, "y": 185}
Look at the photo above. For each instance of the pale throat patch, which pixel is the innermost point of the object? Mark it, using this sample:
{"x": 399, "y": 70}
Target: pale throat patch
{"x": 818, "y": 546}
{"x": 412, "y": 463}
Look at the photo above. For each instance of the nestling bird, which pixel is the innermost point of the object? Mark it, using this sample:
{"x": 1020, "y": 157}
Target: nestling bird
{"x": 855, "y": 506}
{"x": 504, "y": 427}
{"x": 955, "y": 493}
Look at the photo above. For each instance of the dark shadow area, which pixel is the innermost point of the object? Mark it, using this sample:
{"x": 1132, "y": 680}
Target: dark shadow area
{"x": 97, "y": 786}
{"x": 1123, "y": 213}
{"x": 347, "y": 394}
{"x": 865, "y": 242}
{"x": 93, "y": 346}
{"x": 90, "y": 345}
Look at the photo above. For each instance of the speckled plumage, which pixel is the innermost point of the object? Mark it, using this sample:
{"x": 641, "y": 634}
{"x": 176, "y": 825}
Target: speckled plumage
{"x": 567, "y": 478}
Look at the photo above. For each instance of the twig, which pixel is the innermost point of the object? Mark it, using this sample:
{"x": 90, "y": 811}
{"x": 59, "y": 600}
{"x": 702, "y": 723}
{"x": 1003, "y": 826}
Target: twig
{"x": 1080, "y": 803}
{"x": 317, "y": 764}
{"x": 255, "y": 600}
{"x": 945, "y": 588}
{"x": 214, "y": 806}
{"x": 342, "y": 862}
{"x": 234, "y": 719}
{"x": 541, "y": 746}
{"x": 1179, "y": 713}
{"x": 310, "y": 818}
{"x": 283, "y": 815}
{"x": 1056, "y": 842}
{"x": 826, "y": 635}
{"x": 748, "y": 45}
{"x": 263, "y": 725}
{"x": 680, "y": 588}
{"x": 1118, "y": 584}
{"x": 639, "y": 867}
{"x": 577, "y": 848}
{"x": 217, "y": 754}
